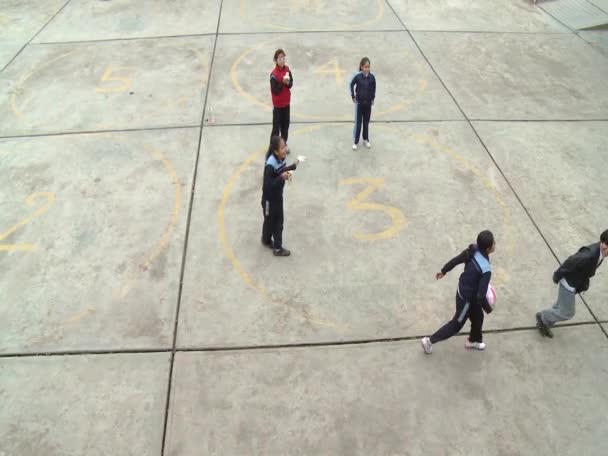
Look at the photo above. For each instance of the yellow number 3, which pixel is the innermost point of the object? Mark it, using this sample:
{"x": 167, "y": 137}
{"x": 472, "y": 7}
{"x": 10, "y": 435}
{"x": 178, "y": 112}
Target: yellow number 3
{"x": 358, "y": 204}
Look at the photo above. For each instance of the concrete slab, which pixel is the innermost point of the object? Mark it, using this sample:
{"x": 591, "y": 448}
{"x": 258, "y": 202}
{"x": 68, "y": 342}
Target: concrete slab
{"x": 83, "y": 20}
{"x": 394, "y": 399}
{"x": 598, "y": 39}
{"x": 509, "y": 76}
{"x": 576, "y": 14}
{"x": 242, "y": 16}
{"x": 601, "y": 4}
{"x": 20, "y": 20}
{"x": 91, "y": 238}
{"x": 103, "y": 86}
{"x": 356, "y": 271}
{"x": 569, "y": 206}
{"x": 70, "y": 405}
{"x": 463, "y": 15}
{"x": 322, "y": 65}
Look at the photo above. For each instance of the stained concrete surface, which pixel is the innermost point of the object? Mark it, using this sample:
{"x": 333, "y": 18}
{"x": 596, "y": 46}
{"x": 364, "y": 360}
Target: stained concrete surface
{"x": 84, "y": 20}
{"x": 104, "y": 86}
{"x": 519, "y": 397}
{"x": 96, "y": 263}
{"x": 332, "y": 286}
{"x": 323, "y": 65}
{"x": 94, "y": 405}
{"x": 496, "y": 16}
{"x": 538, "y": 77}
{"x": 556, "y": 167}
{"x": 100, "y": 250}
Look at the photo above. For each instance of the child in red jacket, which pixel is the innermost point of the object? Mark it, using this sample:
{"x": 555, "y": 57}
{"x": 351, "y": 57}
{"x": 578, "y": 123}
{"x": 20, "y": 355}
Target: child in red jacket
{"x": 281, "y": 82}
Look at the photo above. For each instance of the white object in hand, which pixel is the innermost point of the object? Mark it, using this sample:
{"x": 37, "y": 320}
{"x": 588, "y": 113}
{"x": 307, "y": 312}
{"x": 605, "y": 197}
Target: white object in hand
{"x": 301, "y": 158}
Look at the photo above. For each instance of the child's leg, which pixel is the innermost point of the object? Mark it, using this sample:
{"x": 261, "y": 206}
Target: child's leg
{"x": 476, "y": 317}
{"x": 358, "y": 121}
{"x": 366, "y": 114}
{"x": 276, "y": 121}
{"x": 562, "y": 310}
{"x": 277, "y": 227}
{"x": 267, "y": 226}
{"x": 285, "y": 123}
{"x": 454, "y": 326}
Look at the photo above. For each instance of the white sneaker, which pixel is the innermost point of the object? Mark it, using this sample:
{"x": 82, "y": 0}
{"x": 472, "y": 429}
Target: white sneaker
{"x": 368, "y": 144}
{"x": 354, "y": 147}
{"x": 475, "y": 345}
{"x": 427, "y": 346}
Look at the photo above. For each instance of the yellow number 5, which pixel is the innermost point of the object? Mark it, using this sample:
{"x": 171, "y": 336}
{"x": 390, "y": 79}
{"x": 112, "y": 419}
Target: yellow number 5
{"x": 110, "y": 76}
{"x": 358, "y": 204}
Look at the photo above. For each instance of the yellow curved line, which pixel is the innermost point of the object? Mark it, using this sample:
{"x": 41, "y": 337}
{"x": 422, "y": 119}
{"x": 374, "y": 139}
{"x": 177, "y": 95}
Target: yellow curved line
{"x": 484, "y": 180}
{"x": 422, "y": 85}
{"x": 229, "y": 252}
{"x": 30, "y": 200}
{"x": 23, "y": 80}
{"x": 162, "y": 243}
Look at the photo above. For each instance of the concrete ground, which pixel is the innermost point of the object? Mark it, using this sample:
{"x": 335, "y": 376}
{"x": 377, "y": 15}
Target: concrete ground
{"x": 139, "y": 314}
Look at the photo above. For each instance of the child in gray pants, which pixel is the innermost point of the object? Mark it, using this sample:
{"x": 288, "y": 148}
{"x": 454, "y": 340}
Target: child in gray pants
{"x": 573, "y": 277}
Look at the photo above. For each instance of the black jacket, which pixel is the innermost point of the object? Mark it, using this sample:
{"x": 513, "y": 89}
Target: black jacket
{"x": 475, "y": 279}
{"x": 579, "y": 268}
{"x": 363, "y": 88}
{"x": 272, "y": 188}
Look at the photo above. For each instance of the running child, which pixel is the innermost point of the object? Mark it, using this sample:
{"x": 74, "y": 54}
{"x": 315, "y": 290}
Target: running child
{"x": 573, "y": 277}
{"x": 281, "y": 82}
{"x": 363, "y": 92}
{"x": 471, "y": 293}
{"x": 275, "y": 174}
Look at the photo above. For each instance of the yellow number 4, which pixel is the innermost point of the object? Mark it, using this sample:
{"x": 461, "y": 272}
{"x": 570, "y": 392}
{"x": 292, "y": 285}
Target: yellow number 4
{"x": 358, "y": 204}
{"x": 31, "y": 201}
{"x": 332, "y": 67}
{"x": 124, "y": 83}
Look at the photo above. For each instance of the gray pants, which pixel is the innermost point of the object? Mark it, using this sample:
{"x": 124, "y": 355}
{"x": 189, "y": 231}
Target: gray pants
{"x": 562, "y": 310}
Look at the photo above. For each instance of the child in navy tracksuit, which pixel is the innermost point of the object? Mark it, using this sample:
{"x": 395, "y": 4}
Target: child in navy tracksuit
{"x": 471, "y": 295}
{"x": 275, "y": 174}
{"x": 363, "y": 92}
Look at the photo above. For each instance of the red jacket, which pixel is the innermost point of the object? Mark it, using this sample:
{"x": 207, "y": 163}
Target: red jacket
{"x": 281, "y": 93}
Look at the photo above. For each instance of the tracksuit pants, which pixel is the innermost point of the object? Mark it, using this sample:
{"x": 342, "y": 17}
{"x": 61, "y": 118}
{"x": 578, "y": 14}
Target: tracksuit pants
{"x": 464, "y": 310}
{"x": 280, "y": 122}
{"x": 363, "y": 113}
{"x": 272, "y": 229}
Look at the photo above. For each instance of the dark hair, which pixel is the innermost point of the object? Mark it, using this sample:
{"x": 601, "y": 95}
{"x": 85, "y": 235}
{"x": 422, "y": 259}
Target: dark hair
{"x": 604, "y": 237}
{"x": 485, "y": 240}
{"x": 364, "y": 60}
{"x": 277, "y": 53}
{"x": 275, "y": 142}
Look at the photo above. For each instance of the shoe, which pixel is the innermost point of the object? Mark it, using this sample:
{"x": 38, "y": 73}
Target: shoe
{"x": 427, "y": 345}
{"x": 368, "y": 144}
{"x": 281, "y": 252}
{"x": 287, "y": 149}
{"x": 542, "y": 327}
{"x": 475, "y": 345}
{"x": 355, "y": 147}
{"x": 266, "y": 244}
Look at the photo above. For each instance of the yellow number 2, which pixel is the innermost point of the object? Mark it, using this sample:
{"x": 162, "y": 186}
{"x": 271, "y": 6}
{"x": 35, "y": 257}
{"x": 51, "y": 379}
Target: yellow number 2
{"x": 109, "y": 76}
{"x": 332, "y": 67}
{"x": 358, "y": 204}
{"x": 30, "y": 200}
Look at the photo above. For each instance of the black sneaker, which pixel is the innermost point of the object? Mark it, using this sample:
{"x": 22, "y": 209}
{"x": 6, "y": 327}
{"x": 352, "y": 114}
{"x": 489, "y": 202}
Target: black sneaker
{"x": 281, "y": 252}
{"x": 542, "y": 327}
{"x": 266, "y": 244}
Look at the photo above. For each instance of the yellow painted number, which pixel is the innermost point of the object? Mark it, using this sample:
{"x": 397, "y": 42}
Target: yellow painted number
{"x": 31, "y": 201}
{"x": 358, "y": 203}
{"x": 115, "y": 83}
{"x": 332, "y": 67}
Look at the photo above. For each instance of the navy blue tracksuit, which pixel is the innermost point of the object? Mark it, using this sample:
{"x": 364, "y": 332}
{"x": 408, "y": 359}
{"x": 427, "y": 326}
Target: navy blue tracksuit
{"x": 363, "y": 91}
{"x": 471, "y": 295}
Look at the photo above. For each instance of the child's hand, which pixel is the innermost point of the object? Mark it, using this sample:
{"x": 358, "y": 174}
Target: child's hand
{"x": 354, "y": 100}
{"x": 439, "y": 275}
